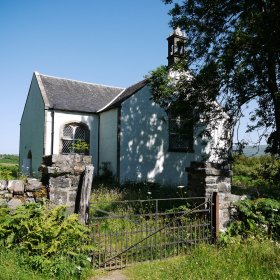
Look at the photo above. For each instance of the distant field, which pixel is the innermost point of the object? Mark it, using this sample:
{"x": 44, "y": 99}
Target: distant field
{"x": 7, "y": 164}
{"x": 9, "y": 160}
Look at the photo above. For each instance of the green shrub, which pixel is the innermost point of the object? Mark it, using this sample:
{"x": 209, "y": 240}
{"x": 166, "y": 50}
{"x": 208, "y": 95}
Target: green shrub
{"x": 256, "y": 176}
{"x": 258, "y": 218}
{"x": 8, "y": 172}
{"x": 55, "y": 243}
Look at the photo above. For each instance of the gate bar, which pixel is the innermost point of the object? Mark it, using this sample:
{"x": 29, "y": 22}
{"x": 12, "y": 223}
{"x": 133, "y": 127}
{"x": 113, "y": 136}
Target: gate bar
{"x": 151, "y": 234}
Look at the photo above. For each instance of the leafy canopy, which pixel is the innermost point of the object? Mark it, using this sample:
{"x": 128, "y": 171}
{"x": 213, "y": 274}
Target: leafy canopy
{"x": 233, "y": 53}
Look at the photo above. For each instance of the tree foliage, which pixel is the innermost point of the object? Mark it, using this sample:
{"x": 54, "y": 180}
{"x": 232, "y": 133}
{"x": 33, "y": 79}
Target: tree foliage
{"x": 233, "y": 54}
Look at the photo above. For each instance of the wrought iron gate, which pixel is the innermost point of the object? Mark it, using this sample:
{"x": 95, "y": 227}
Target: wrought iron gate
{"x": 125, "y": 232}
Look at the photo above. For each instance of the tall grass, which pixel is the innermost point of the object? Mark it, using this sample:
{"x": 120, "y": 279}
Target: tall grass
{"x": 12, "y": 268}
{"x": 250, "y": 260}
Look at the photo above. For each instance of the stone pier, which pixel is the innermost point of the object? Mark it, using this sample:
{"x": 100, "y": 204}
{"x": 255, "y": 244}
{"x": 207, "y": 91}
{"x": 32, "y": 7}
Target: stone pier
{"x": 63, "y": 174}
{"x": 206, "y": 178}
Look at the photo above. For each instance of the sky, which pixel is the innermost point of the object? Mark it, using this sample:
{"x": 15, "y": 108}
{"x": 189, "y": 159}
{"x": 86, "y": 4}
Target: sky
{"x": 105, "y": 42}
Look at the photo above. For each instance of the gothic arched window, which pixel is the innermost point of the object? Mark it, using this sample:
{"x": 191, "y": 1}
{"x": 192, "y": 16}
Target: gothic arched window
{"x": 74, "y": 136}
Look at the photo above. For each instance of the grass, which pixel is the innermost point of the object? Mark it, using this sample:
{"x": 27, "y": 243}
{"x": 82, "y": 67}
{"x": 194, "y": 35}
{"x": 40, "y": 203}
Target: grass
{"x": 251, "y": 260}
{"x": 11, "y": 268}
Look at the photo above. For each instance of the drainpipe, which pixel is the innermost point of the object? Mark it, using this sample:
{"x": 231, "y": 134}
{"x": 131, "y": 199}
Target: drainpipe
{"x": 98, "y": 145}
{"x": 118, "y": 142}
{"x": 52, "y": 135}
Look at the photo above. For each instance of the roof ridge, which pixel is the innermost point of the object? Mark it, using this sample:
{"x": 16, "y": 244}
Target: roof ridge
{"x": 112, "y": 101}
{"x": 120, "y": 98}
{"x": 79, "y": 81}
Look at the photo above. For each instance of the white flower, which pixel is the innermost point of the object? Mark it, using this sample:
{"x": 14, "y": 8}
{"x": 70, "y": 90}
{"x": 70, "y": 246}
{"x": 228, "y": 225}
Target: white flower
{"x": 149, "y": 193}
{"x": 180, "y": 187}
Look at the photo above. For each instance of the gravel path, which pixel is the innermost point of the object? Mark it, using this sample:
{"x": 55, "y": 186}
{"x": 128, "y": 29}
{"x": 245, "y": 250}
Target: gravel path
{"x": 115, "y": 275}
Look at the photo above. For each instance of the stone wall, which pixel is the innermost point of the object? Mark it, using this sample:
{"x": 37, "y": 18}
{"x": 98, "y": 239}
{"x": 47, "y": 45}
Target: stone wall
{"x": 206, "y": 178}
{"x": 63, "y": 174}
{"x": 16, "y": 192}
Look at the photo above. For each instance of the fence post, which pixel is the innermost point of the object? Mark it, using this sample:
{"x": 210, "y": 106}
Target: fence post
{"x": 215, "y": 216}
{"x": 85, "y": 194}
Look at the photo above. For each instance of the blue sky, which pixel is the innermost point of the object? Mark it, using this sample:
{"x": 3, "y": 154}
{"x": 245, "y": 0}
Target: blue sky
{"x": 106, "y": 42}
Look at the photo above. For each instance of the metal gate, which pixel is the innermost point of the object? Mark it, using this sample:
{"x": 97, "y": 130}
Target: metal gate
{"x": 125, "y": 232}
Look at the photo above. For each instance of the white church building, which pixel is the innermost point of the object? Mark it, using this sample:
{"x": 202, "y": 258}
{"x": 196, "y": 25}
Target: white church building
{"x": 123, "y": 128}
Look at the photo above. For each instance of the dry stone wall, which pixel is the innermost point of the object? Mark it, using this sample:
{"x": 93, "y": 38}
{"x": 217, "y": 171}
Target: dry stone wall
{"x": 62, "y": 182}
{"x": 17, "y": 192}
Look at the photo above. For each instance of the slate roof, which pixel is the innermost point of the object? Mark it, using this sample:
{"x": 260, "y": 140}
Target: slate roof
{"x": 70, "y": 95}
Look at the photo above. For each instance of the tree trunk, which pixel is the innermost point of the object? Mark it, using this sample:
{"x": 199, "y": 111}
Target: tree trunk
{"x": 274, "y": 139}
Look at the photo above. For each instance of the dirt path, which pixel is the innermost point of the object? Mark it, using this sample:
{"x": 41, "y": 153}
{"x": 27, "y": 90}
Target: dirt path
{"x": 115, "y": 275}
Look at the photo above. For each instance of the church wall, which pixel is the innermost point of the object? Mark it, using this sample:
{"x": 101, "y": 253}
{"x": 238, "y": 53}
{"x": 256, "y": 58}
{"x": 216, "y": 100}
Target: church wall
{"x": 60, "y": 119}
{"x": 32, "y": 131}
{"x": 144, "y": 154}
{"x": 108, "y": 139}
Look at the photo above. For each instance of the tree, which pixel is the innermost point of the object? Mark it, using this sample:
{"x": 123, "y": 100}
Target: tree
{"x": 233, "y": 55}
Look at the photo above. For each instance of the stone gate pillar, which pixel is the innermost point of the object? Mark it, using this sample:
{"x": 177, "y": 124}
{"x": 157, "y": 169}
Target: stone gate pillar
{"x": 63, "y": 174}
{"x": 205, "y": 178}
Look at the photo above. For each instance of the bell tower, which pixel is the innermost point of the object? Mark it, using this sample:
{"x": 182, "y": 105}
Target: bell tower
{"x": 176, "y": 46}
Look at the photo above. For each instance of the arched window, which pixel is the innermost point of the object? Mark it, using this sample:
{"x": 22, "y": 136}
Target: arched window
{"x": 75, "y": 139}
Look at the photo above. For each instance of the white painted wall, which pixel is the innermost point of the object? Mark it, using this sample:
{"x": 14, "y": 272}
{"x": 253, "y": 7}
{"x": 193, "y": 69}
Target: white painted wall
{"x": 144, "y": 143}
{"x": 32, "y": 128}
{"x": 60, "y": 119}
{"x": 144, "y": 154}
{"x": 108, "y": 138}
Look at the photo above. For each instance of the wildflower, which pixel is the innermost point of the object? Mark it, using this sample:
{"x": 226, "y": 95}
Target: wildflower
{"x": 180, "y": 187}
{"x": 149, "y": 193}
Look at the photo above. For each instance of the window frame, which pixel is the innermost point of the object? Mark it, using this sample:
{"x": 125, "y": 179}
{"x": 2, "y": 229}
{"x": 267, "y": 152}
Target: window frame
{"x": 73, "y": 139}
{"x": 188, "y": 136}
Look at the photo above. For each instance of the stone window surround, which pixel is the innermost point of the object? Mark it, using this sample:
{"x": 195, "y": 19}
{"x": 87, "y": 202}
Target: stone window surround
{"x": 74, "y": 123}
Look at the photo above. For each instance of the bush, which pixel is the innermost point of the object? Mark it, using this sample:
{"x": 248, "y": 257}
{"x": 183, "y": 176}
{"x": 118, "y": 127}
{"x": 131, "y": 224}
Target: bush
{"x": 256, "y": 176}
{"x": 256, "y": 218}
{"x": 56, "y": 244}
{"x": 8, "y": 172}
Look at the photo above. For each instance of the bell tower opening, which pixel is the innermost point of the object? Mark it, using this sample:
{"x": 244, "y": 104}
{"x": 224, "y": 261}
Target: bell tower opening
{"x": 176, "y": 46}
